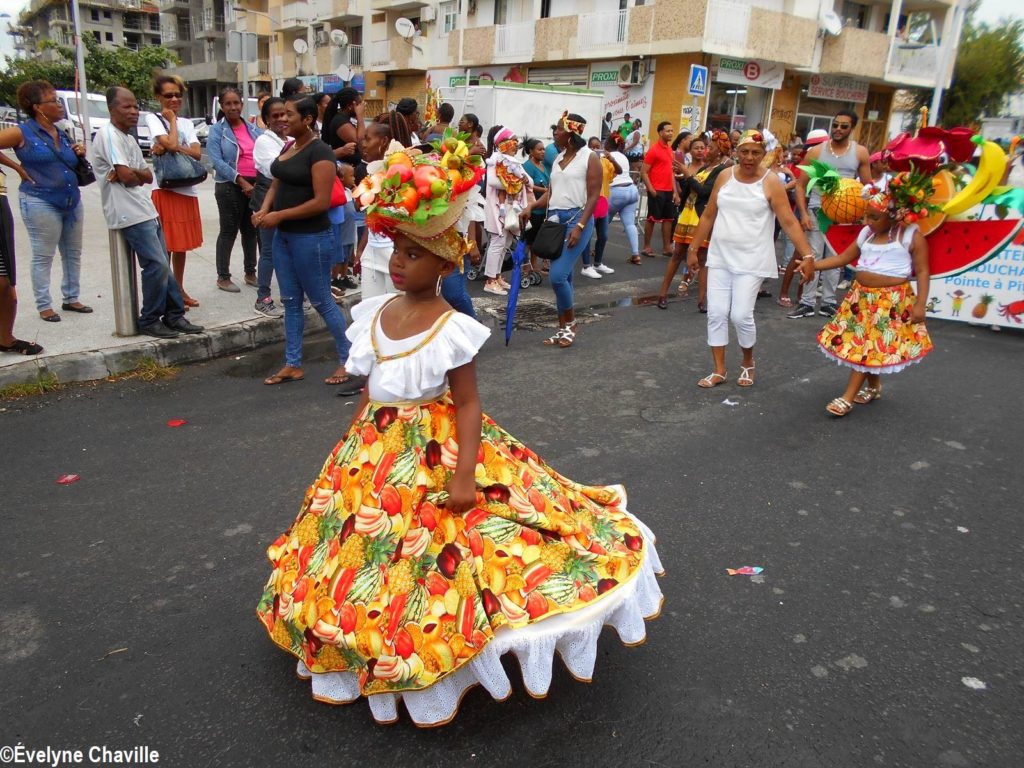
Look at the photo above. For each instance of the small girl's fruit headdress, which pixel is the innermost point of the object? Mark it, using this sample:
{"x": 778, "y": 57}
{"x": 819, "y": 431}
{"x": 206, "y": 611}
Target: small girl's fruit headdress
{"x": 423, "y": 196}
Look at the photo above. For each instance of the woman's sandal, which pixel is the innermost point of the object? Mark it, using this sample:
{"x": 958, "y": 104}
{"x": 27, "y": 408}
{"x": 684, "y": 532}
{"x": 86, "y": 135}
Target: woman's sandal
{"x": 335, "y": 380}
{"x": 702, "y": 307}
{"x": 709, "y": 381}
{"x": 745, "y": 379}
{"x": 22, "y": 347}
{"x": 867, "y": 394}
{"x": 683, "y": 289}
{"x": 785, "y": 301}
{"x": 564, "y": 338}
{"x": 277, "y": 378}
{"x": 635, "y": 259}
{"x": 839, "y": 407}
{"x": 663, "y": 302}
{"x": 647, "y": 252}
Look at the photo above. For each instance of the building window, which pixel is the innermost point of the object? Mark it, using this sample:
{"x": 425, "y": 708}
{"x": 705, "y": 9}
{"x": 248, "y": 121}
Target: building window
{"x": 109, "y": 36}
{"x": 94, "y": 14}
{"x": 106, "y": 15}
{"x": 449, "y": 13}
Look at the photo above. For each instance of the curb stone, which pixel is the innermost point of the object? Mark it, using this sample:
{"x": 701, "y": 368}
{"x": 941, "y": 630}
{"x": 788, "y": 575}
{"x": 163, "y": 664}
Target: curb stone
{"x": 90, "y": 365}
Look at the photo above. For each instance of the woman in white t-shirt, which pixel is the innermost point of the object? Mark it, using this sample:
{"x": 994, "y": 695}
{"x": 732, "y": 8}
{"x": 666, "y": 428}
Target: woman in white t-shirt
{"x": 178, "y": 208}
{"x": 625, "y": 197}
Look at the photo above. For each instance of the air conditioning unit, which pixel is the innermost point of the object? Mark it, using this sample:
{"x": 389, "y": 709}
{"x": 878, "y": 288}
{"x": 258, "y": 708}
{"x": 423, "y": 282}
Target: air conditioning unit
{"x": 633, "y": 72}
{"x": 428, "y": 13}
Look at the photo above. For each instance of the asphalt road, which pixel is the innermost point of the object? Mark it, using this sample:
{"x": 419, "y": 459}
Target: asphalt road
{"x": 891, "y": 543}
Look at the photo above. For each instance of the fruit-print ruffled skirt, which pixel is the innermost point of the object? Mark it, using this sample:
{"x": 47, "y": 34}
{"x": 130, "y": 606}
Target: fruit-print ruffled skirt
{"x": 380, "y": 591}
{"x": 871, "y": 332}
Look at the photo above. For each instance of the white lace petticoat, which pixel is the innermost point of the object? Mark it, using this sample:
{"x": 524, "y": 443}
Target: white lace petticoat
{"x": 574, "y": 635}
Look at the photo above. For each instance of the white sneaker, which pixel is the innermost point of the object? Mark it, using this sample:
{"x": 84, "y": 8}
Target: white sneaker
{"x": 591, "y": 273}
{"x": 497, "y": 290}
{"x": 603, "y": 269}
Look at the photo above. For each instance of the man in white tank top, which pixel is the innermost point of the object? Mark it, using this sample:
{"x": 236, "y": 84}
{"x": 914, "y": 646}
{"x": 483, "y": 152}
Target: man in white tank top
{"x": 851, "y": 161}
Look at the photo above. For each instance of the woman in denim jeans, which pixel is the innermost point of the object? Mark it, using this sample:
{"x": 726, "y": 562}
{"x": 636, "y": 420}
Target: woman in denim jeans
{"x": 230, "y": 147}
{"x": 297, "y": 204}
{"x": 571, "y": 199}
{"x": 625, "y": 197}
{"x": 51, "y": 205}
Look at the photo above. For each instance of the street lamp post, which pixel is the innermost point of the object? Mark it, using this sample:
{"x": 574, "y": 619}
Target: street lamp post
{"x": 270, "y": 51}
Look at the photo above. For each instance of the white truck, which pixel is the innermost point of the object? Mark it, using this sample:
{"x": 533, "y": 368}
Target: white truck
{"x": 96, "y": 103}
{"x": 528, "y": 109}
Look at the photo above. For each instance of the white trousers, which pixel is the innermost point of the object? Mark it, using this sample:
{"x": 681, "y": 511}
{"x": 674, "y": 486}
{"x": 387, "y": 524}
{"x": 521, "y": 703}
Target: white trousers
{"x": 731, "y": 297}
{"x": 376, "y": 275}
{"x": 495, "y": 253}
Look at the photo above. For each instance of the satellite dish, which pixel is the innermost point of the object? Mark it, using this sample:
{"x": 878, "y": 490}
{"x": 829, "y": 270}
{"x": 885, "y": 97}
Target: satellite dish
{"x": 405, "y": 28}
{"x": 344, "y": 72}
{"x": 300, "y": 46}
{"x": 339, "y": 38}
{"x": 830, "y": 22}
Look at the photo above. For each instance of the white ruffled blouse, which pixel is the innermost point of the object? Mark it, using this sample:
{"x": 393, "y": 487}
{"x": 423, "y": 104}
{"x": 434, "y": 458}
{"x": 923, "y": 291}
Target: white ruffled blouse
{"x": 415, "y": 368}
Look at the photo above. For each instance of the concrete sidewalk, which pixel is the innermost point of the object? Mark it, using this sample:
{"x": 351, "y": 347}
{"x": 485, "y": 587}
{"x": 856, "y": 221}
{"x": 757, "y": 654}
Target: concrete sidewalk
{"x": 84, "y": 347}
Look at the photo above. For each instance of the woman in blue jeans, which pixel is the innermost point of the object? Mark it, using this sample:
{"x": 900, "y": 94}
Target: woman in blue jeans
{"x": 51, "y": 205}
{"x": 625, "y": 197}
{"x": 297, "y": 204}
{"x": 571, "y": 198}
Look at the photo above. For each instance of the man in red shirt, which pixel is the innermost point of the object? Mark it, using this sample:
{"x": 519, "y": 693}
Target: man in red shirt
{"x": 662, "y": 193}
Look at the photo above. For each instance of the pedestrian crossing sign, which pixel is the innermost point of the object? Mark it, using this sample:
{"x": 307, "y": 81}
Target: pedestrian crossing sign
{"x": 698, "y": 80}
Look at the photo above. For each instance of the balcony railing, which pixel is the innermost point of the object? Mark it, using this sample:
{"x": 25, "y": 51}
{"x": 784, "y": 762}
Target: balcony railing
{"x": 380, "y": 53}
{"x": 916, "y": 61}
{"x": 294, "y": 16}
{"x": 207, "y": 23}
{"x": 514, "y": 41}
{"x": 727, "y": 25}
{"x": 335, "y": 9}
{"x": 353, "y": 56}
{"x": 603, "y": 30}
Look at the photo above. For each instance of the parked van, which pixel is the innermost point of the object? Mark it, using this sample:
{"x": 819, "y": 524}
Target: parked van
{"x": 99, "y": 115}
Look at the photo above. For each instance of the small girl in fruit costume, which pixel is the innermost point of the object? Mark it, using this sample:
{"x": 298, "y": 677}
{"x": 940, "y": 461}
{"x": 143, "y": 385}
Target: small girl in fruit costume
{"x": 509, "y": 189}
{"x": 879, "y": 327}
{"x": 432, "y": 541}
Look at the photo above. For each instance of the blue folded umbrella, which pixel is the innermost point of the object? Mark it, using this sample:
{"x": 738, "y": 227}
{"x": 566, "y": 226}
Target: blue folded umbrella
{"x": 518, "y": 257}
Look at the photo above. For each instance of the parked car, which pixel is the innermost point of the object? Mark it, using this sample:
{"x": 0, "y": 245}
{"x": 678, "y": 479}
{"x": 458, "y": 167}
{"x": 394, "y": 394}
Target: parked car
{"x": 142, "y": 135}
{"x": 99, "y": 115}
{"x": 202, "y": 129}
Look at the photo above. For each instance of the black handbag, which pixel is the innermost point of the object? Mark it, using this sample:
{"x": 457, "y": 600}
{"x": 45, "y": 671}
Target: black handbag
{"x": 83, "y": 168}
{"x": 550, "y": 240}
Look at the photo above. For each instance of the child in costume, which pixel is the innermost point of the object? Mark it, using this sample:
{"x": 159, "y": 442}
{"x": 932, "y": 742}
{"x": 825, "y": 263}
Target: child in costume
{"x": 879, "y": 327}
{"x": 432, "y": 541}
{"x": 508, "y": 192}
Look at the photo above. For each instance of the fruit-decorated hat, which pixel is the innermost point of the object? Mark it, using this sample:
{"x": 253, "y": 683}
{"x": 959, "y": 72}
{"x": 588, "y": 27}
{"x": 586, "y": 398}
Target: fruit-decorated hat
{"x": 751, "y": 137}
{"x": 422, "y": 196}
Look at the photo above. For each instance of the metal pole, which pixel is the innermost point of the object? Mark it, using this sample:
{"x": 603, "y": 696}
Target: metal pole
{"x": 245, "y": 83}
{"x": 124, "y": 282}
{"x": 83, "y": 90}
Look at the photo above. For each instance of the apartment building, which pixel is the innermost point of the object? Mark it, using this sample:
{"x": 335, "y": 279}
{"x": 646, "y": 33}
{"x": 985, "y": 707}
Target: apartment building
{"x": 115, "y": 23}
{"x": 787, "y": 64}
{"x": 197, "y": 30}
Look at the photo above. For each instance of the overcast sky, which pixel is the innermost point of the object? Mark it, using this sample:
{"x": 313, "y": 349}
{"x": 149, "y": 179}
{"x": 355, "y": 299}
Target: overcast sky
{"x": 991, "y": 10}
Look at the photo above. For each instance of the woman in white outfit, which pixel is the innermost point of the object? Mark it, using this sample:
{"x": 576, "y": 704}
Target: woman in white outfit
{"x": 740, "y": 217}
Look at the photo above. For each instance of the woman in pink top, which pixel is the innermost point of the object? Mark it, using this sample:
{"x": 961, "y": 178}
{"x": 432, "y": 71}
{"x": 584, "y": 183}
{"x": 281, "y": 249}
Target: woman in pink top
{"x": 230, "y": 146}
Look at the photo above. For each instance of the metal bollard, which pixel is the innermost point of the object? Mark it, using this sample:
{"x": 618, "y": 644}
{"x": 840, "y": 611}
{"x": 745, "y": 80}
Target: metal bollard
{"x": 124, "y": 280}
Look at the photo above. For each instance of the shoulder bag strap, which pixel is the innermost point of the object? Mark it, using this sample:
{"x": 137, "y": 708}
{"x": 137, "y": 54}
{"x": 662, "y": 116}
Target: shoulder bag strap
{"x": 56, "y": 154}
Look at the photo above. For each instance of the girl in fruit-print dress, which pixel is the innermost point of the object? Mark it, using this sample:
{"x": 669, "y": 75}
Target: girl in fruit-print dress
{"x": 879, "y": 327}
{"x": 432, "y": 541}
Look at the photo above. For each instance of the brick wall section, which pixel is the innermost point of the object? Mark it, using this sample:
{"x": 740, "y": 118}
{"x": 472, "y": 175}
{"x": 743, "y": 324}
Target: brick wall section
{"x": 856, "y": 53}
{"x": 781, "y": 37}
{"x": 555, "y": 39}
{"x": 478, "y": 46}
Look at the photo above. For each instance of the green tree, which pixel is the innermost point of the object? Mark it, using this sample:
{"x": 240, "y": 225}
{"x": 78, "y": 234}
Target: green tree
{"x": 989, "y": 67}
{"x": 104, "y": 67}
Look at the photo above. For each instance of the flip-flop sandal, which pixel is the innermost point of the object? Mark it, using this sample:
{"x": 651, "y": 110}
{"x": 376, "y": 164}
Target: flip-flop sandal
{"x": 712, "y": 380}
{"x": 22, "y": 347}
{"x": 277, "y": 378}
{"x": 666, "y": 253}
{"x": 839, "y": 407}
{"x": 785, "y": 301}
{"x": 663, "y": 302}
{"x": 648, "y": 253}
{"x": 745, "y": 379}
{"x": 336, "y": 380}
{"x": 635, "y": 259}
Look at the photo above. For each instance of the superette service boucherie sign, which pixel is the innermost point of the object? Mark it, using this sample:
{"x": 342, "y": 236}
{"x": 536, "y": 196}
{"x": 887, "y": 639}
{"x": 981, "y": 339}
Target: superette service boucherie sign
{"x": 836, "y": 88}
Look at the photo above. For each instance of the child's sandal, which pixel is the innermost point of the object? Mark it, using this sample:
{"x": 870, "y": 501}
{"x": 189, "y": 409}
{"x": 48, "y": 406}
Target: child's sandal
{"x": 867, "y": 394}
{"x": 839, "y": 407}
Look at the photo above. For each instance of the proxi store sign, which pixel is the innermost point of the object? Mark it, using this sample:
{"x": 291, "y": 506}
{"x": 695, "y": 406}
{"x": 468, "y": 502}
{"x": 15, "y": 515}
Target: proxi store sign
{"x": 837, "y": 88}
{"x": 763, "y": 74}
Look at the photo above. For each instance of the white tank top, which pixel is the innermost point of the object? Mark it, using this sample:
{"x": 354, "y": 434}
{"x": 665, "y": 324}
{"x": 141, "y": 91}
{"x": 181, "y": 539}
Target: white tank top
{"x": 569, "y": 186}
{"x": 742, "y": 240}
{"x": 891, "y": 259}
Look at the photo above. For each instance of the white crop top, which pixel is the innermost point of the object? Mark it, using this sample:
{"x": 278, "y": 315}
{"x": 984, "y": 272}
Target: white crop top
{"x": 413, "y": 369}
{"x": 892, "y": 259}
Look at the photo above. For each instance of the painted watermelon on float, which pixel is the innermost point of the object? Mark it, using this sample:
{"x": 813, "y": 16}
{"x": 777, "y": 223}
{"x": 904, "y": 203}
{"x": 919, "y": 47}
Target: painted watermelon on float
{"x": 955, "y": 247}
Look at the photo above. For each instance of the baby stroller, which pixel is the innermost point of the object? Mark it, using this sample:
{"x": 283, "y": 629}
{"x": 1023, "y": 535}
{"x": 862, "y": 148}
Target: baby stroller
{"x": 530, "y": 277}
